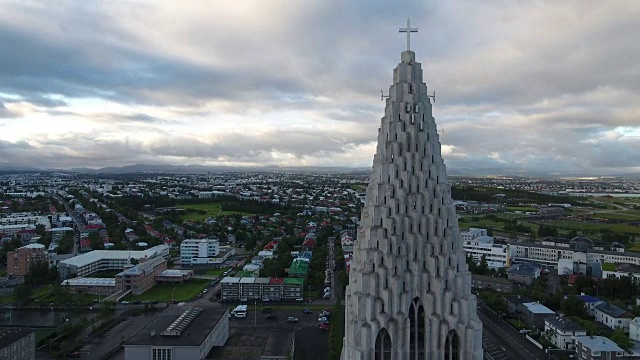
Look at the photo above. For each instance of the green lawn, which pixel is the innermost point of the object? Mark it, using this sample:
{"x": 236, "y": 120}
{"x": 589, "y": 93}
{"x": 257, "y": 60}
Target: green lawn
{"x": 162, "y": 293}
{"x": 216, "y": 272}
{"x": 617, "y": 216}
{"x": 522, "y": 208}
{"x": 578, "y": 225}
{"x": 517, "y": 323}
{"x": 211, "y": 210}
{"x": 44, "y": 333}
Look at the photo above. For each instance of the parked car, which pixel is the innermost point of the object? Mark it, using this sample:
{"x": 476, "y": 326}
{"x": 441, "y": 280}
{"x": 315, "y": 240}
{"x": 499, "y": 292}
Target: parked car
{"x": 307, "y": 311}
{"x": 271, "y": 317}
{"x": 292, "y": 319}
{"x": 322, "y": 319}
{"x": 323, "y": 327}
{"x": 124, "y": 302}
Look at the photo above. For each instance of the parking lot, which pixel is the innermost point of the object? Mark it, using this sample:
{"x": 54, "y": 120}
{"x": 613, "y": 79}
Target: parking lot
{"x": 311, "y": 343}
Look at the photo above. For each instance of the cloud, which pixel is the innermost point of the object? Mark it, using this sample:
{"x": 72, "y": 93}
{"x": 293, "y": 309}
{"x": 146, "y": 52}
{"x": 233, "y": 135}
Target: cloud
{"x": 524, "y": 85}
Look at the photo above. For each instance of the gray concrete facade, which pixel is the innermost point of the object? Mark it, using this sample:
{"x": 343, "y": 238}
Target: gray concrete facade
{"x": 409, "y": 293}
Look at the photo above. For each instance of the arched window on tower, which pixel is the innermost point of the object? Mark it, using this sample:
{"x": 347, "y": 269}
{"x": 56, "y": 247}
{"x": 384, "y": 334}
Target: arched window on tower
{"x": 416, "y": 330}
{"x": 452, "y": 346}
{"x": 383, "y": 345}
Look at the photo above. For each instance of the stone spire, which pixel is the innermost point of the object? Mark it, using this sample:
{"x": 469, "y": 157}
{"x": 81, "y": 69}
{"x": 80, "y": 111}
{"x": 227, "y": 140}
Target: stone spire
{"x": 409, "y": 293}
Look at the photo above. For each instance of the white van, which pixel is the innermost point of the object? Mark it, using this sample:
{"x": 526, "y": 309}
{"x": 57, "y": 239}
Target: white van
{"x": 240, "y": 311}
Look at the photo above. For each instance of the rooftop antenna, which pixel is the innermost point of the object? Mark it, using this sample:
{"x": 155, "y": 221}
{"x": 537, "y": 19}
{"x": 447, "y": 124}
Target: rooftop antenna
{"x": 382, "y": 95}
{"x": 432, "y": 96}
{"x": 441, "y": 130}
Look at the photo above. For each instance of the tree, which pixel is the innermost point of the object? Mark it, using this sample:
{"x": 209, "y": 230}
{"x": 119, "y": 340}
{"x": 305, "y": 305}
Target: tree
{"x": 483, "y": 269}
{"x": 574, "y": 306}
{"x": 619, "y": 337}
{"x": 22, "y": 294}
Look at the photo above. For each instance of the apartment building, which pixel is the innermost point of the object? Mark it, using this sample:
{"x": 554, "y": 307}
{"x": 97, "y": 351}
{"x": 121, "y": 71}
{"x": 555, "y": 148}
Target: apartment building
{"x": 103, "y": 260}
{"x": 141, "y": 277}
{"x": 549, "y": 252}
{"x": 17, "y": 343}
{"x": 199, "y": 251}
{"x": 20, "y": 260}
{"x": 249, "y": 288}
{"x": 478, "y": 244}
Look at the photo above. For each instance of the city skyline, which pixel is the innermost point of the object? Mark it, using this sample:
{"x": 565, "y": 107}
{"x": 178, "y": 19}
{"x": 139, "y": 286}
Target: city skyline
{"x": 524, "y": 86}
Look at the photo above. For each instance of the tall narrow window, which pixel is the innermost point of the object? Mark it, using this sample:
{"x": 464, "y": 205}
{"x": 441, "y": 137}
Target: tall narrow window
{"x": 383, "y": 345}
{"x": 452, "y": 346}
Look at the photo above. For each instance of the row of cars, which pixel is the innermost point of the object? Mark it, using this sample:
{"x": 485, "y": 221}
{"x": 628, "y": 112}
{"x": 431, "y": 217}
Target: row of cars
{"x": 328, "y": 273}
{"x": 324, "y": 320}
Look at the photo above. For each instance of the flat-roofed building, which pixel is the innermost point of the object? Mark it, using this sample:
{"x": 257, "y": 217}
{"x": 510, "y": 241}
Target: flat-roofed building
{"x": 230, "y": 288}
{"x": 17, "y": 343}
{"x": 90, "y": 286}
{"x": 174, "y": 276}
{"x": 104, "y": 260}
{"x": 273, "y": 290}
{"x": 180, "y": 333}
{"x": 292, "y": 288}
{"x": 199, "y": 251}
{"x": 13, "y": 230}
{"x": 20, "y": 260}
{"x": 478, "y": 247}
{"x": 141, "y": 277}
{"x": 249, "y": 289}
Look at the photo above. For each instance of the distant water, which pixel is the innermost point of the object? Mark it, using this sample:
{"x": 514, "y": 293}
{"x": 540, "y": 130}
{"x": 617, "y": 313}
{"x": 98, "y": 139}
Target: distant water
{"x": 620, "y": 195}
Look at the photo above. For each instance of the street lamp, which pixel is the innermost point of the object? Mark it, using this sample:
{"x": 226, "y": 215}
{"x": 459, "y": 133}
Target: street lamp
{"x": 172, "y": 291}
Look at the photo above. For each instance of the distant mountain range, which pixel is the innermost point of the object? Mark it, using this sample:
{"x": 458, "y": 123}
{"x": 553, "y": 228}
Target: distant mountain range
{"x": 201, "y": 169}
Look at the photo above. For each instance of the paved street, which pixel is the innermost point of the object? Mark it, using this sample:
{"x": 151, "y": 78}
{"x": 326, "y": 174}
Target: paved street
{"x": 504, "y": 342}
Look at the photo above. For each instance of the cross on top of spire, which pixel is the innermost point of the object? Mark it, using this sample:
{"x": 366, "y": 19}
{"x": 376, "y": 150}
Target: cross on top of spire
{"x": 408, "y": 30}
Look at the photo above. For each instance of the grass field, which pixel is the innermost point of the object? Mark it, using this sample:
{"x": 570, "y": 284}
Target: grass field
{"x": 617, "y": 216}
{"x": 216, "y": 272}
{"x": 211, "y": 210}
{"x": 163, "y": 293}
{"x": 522, "y": 208}
{"x": 578, "y": 225}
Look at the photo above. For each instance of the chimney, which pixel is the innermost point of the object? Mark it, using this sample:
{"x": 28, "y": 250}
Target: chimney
{"x": 153, "y": 333}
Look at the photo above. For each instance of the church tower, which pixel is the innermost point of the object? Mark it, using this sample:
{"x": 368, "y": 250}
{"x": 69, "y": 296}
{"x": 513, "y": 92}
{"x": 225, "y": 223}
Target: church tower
{"x": 409, "y": 293}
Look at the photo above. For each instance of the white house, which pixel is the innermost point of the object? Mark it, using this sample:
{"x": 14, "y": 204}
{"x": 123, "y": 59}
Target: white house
{"x": 634, "y": 329}
{"x": 613, "y": 316}
{"x": 562, "y": 332}
{"x": 266, "y": 254}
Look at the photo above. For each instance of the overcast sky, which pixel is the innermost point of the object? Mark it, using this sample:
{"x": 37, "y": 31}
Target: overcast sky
{"x": 537, "y": 85}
